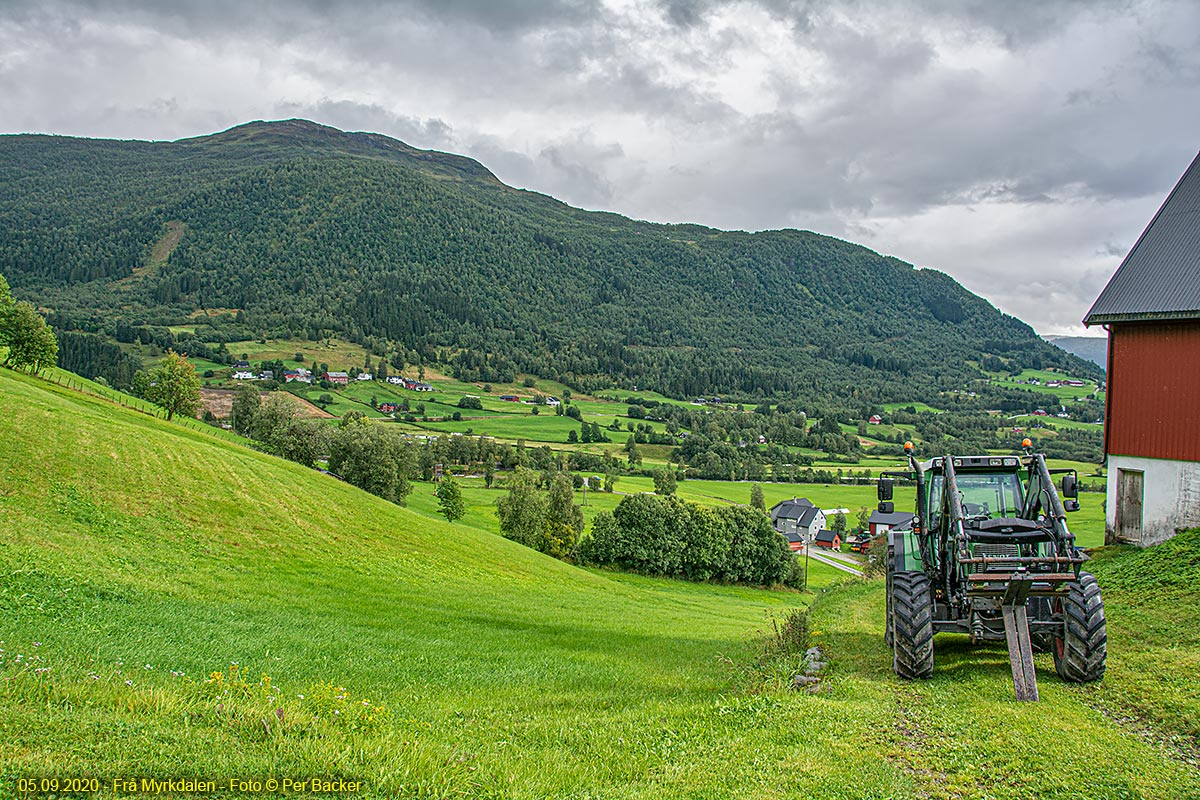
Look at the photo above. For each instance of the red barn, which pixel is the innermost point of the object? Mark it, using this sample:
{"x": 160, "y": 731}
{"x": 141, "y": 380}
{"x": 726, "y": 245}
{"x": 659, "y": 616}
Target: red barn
{"x": 830, "y": 540}
{"x": 1151, "y": 309}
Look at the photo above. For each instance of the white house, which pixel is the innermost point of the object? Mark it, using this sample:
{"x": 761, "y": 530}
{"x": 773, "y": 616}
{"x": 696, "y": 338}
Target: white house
{"x": 798, "y": 517}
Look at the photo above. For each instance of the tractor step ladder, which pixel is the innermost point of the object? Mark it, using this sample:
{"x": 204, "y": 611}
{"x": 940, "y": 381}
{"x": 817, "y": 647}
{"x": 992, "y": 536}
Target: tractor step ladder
{"x": 1016, "y": 630}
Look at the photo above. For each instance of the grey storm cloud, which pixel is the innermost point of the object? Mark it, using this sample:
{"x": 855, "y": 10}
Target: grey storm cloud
{"x": 1019, "y": 146}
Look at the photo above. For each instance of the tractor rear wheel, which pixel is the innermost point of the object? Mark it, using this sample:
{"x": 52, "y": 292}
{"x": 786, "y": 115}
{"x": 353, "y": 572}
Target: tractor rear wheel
{"x": 1082, "y": 647}
{"x": 912, "y": 625}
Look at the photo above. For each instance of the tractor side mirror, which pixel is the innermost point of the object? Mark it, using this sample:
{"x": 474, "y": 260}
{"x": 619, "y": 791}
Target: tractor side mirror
{"x": 887, "y": 507}
{"x": 1070, "y": 486}
{"x": 1070, "y": 505}
{"x": 885, "y": 489}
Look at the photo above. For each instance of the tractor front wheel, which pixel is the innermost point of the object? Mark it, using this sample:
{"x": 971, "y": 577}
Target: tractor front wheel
{"x": 1082, "y": 647}
{"x": 912, "y": 625}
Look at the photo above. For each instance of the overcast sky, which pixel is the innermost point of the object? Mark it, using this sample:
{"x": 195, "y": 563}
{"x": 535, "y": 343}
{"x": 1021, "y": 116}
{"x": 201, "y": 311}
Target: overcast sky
{"x": 1019, "y": 146}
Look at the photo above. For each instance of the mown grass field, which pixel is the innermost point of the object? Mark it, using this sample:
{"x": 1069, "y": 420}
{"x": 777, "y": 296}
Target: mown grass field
{"x": 132, "y": 550}
{"x": 1044, "y": 376}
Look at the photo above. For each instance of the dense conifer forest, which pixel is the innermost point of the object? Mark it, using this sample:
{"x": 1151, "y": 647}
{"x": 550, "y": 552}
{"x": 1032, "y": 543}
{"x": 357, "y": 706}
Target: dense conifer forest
{"x": 292, "y": 229}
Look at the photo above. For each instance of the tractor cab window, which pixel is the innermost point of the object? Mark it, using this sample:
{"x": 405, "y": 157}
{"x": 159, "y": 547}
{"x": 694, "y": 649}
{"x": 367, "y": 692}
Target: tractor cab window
{"x": 934, "y": 512}
{"x": 990, "y": 496}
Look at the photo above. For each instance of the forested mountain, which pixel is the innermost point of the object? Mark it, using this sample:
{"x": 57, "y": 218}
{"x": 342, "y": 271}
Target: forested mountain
{"x": 287, "y": 229}
{"x": 1089, "y": 348}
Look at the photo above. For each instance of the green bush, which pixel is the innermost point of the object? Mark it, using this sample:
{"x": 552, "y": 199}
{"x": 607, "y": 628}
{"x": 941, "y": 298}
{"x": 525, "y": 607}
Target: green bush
{"x": 667, "y": 536}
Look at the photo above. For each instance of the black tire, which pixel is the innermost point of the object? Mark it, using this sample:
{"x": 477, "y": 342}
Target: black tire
{"x": 1080, "y": 651}
{"x": 912, "y": 625}
{"x": 887, "y": 614}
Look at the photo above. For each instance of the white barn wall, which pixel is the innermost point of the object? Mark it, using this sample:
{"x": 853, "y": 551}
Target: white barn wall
{"x": 1171, "y": 497}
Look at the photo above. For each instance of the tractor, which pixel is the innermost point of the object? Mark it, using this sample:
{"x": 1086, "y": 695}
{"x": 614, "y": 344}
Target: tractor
{"x": 989, "y": 555}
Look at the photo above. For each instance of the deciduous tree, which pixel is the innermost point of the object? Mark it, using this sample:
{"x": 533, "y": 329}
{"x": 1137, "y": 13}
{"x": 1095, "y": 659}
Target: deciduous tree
{"x": 246, "y": 402}
{"x": 177, "y": 389}
{"x": 450, "y": 502}
{"x": 864, "y": 518}
{"x": 365, "y": 454}
{"x": 30, "y": 341}
{"x": 756, "y": 498}
{"x": 522, "y": 511}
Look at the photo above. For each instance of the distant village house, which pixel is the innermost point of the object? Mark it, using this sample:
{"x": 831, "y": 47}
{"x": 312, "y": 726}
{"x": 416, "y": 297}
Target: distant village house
{"x": 799, "y": 516}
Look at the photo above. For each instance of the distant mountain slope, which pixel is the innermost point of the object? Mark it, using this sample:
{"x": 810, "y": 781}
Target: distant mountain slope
{"x": 1089, "y": 348}
{"x": 293, "y": 228}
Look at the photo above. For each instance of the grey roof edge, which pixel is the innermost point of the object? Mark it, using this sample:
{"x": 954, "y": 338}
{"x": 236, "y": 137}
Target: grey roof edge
{"x": 1089, "y": 319}
{"x": 1150, "y": 316}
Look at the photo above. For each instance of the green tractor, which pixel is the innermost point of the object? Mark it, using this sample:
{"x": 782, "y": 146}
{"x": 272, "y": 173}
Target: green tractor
{"x": 989, "y": 555}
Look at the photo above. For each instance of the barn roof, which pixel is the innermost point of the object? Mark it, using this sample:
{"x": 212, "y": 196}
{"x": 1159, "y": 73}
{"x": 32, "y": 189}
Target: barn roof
{"x": 890, "y": 518}
{"x": 790, "y": 509}
{"x": 1160, "y": 278}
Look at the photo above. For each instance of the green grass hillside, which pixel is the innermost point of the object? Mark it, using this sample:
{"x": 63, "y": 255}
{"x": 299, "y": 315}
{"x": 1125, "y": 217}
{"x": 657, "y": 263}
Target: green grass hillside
{"x": 137, "y": 558}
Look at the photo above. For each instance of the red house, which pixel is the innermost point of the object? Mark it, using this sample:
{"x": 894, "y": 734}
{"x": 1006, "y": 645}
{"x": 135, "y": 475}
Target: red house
{"x": 339, "y": 378}
{"x": 830, "y": 540}
{"x": 1151, "y": 309}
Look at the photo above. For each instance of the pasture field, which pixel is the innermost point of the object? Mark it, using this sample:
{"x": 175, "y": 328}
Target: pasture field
{"x": 1062, "y": 392}
{"x": 177, "y": 606}
{"x": 1025, "y": 420}
{"x": 916, "y": 406}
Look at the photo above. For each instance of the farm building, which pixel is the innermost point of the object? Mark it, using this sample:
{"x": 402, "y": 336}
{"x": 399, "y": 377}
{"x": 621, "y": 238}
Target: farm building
{"x": 830, "y": 540}
{"x": 880, "y": 522}
{"x": 1151, "y": 309}
{"x": 797, "y": 516}
{"x": 795, "y": 541}
{"x": 337, "y": 377}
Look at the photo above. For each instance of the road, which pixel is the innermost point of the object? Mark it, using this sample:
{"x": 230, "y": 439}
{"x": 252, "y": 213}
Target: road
{"x": 837, "y": 563}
